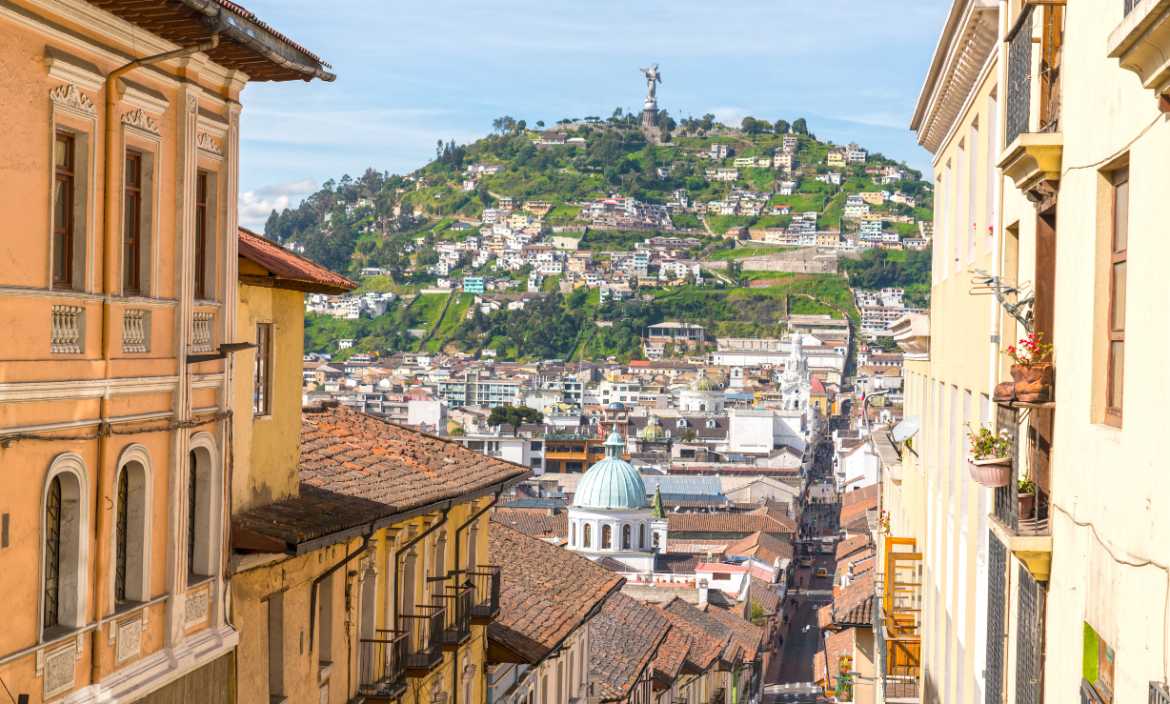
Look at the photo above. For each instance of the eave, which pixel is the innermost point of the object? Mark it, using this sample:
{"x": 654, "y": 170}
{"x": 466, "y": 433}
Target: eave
{"x": 1141, "y": 43}
{"x": 1033, "y": 162}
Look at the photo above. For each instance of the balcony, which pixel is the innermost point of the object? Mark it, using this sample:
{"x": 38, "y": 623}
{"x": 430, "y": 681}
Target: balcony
{"x": 456, "y": 605}
{"x": 719, "y": 696}
{"x": 1035, "y": 146}
{"x": 899, "y": 627}
{"x": 1028, "y": 537}
{"x": 424, "y": 640}
{"x": 382, "y": 665}
{"x": 485, "y": 603}
{"x": 1141, "y": 43}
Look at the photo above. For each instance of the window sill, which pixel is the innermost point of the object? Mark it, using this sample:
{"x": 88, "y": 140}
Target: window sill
{"x": 136, "y": 300}
{"x": 197, "y": 580}
{"x": 60, "y": 634}
{"x": 324, "y": 670}
{"x": 206, "y": 303}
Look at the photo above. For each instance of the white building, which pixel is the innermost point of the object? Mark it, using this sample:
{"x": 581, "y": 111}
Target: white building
{"x": 610, "y": 516}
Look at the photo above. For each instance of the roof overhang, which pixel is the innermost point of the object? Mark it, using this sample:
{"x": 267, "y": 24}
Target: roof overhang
{"x": 963, "y": 55}
{"x": 247, "y": 44}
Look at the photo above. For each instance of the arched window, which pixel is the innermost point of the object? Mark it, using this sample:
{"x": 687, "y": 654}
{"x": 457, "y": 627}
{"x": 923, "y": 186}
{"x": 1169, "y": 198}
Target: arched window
{"x": 702, "y": 407}
{"x": 588, "y": 536}
{"x": 682, "y": 423}
{"x": 131, "y": 535}
{"x": 65, "y": 531}
{"x": 711, "y": 423}
{"x": 606, "y": 537}
{"x": 201, "y": 533}
{"x": 641, "y": 536}
{"x": 626, "y": 537}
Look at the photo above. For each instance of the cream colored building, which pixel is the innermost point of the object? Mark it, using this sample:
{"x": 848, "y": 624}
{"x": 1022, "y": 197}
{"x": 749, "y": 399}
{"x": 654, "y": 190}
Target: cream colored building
{"x": 1064, "y": 599}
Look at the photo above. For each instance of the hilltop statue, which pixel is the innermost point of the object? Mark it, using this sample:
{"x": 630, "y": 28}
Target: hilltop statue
{"x": 652, "y": 77}
{"x": 650, "y": 109}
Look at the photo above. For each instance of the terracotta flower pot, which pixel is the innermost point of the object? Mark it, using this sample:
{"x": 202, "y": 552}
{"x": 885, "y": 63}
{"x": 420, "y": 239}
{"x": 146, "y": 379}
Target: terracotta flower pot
{"x": 1034, "y": 383}
{"x": 1025, "y": 504}
{"x": 991, "y": 473}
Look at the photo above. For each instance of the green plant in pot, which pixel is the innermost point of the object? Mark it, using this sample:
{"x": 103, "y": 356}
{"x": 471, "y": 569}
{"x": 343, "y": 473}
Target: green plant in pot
{"x": 1026, "y": 495}
{"x": 989, "y": 463}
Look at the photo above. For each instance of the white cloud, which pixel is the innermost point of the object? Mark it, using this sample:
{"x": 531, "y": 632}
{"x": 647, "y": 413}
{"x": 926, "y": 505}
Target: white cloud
{"x": 292, "y": 188}
{"x": 254, "y": 210}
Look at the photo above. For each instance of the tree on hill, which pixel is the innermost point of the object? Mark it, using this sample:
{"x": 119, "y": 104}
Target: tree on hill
{"x": 540, "y": 123}
{"x": 707, "y": 122}
{"x": 800, "y": 126}
{"x": 781, "y": 127}
{"x": 515, "y": 416}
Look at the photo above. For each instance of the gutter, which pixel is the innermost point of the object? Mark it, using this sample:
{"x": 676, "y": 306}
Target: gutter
{"x": 258, "y": 39}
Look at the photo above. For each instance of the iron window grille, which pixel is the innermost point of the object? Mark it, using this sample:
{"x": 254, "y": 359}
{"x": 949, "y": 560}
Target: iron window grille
{"x": 1030, "y": 637}
{"x": 262, "y": 391}
{"x": 52, "y": 552}
{"x": 996, "y": 618}
{"x": 121, "y": 532}
{"x": 192, "y": 485}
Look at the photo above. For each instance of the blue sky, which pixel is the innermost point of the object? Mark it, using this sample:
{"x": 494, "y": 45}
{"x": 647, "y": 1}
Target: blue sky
{"x": 411, "y": 73}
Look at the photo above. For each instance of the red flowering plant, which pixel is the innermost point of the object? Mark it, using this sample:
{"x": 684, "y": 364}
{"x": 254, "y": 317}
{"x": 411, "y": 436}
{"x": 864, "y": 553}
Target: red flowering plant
{"x": 884, "y": 522}
{"x": 1029, "y": 350}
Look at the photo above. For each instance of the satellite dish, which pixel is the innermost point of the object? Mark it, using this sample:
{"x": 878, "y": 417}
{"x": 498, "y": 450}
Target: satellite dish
{"x": 907, "y": 429}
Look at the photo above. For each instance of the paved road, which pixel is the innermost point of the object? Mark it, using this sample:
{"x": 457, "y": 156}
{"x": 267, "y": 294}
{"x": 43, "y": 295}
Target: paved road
{"x": 793, "y": 681}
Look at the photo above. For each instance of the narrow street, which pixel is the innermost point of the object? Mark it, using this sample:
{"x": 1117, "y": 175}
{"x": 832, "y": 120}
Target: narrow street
{"x": 790, "y": 677}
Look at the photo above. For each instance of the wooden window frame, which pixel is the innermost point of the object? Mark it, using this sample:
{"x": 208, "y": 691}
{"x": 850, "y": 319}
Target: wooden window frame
{"x": 64, "y": 173}
{"x": 1113, "y": 413}
{"x": 201, "y": 235}
{"x": 52, "y": 574}
{"x": 132, "y": 226}
{"x": 262, "y": 372}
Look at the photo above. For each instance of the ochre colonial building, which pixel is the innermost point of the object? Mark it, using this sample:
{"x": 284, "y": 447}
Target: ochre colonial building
{"x": 359, "y": 547}
{"x": 117, "y": 297}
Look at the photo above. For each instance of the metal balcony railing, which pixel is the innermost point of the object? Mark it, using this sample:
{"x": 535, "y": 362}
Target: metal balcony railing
{"x": 382, "y": 664}
{"x": 485, "y": 604}
{"x": 424, "y": 639}
{"x": 901, "y": 683}
{"x": 719, "y": 695}
{"x": 456, "y": 603}
{"x": 1020, "y": 74}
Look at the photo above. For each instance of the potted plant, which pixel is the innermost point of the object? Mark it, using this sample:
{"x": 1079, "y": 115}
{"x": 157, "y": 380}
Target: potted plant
{"x": 1032, "y": 379}
{"x": 989, "y": 463}
{"x": 1026, "y": 495}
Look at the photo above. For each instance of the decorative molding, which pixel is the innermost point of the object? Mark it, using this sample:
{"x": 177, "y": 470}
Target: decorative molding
{"x": 139, "y": 119}
{"x": 129, "y": 641}
{"x": 141, "y": 97}
{"x": 195, "y": 609}
{"x": 30, "y": 392}
{"x": 72, "y": 99}
{"x": 208, "y": 144}
{"x": 60, "y": 670}
{"x": 212, "y": 124}
{"x": 70, "y": 69}
{"x": 206, "y": 381}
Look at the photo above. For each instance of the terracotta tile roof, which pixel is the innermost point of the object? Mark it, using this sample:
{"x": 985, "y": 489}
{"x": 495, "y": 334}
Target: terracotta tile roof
{"x": 761, "y": 546}
{"x": 545, "y": 592}
{"x": 847, "y": 547}
{"x": 676, "y": 563}
{"x": 533, "y": 521}
{"x": 836, "y": 645}
{"x": 288, "y": 269}
{"x": 726, "y": 523}
{"x": 625, "y": 637}
{"x": 852, "y": 605}
{"x": 712, "y": 626}
{"x": 777, "y": 514}
{"x": 706, "y": 647}
{"x": 672, "y": 655}
{"x": 763, "y": 594}
{"x": 869, "y": 493}
{"x": 356, "y": 469}
{"x": 747, "y": 634}
{"x": 613, "y": 565}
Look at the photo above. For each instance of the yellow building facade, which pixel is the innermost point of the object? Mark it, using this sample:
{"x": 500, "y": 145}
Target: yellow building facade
{"x": 359, "y": 547}
{"x": 117, "y": 298}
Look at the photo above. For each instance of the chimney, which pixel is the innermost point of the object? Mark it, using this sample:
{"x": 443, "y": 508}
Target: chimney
{"x": 702, "y": 591}
{"x": 552, "y": 510}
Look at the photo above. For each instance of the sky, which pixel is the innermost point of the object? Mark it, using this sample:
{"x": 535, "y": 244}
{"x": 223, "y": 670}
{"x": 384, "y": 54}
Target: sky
{"x": 410, "y": 73}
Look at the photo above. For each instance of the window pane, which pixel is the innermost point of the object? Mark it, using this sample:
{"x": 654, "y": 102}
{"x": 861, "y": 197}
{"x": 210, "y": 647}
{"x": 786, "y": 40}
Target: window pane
{"x": 131, "y": 171}
{"x": 1118, "y": 319}
{"x": 61, "y": 205}
{"x": 1121, "y": 217}
{"x": 61, "y": 153}
{"x": 60, "y": 241}
{"x": 128, "y": 218}
{"x": 128, "y": 266}
{"x": 1117, "y": 372}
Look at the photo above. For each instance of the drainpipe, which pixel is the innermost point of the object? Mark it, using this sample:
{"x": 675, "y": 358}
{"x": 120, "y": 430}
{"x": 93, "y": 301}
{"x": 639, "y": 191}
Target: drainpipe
{"x": 998, "y": 245}
{"x": 102, "y": 558}
{"x": 473, "y": 519}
